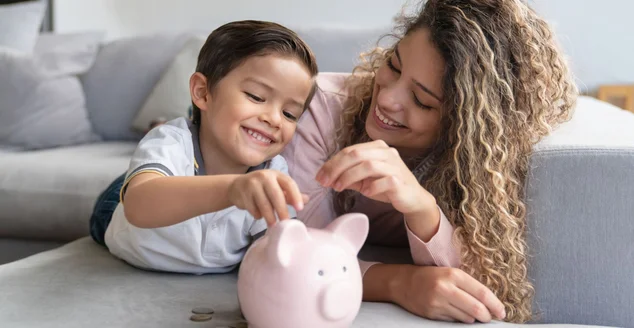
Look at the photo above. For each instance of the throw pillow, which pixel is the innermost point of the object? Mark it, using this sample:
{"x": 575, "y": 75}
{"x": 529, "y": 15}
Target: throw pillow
{"x": 170, "y": 97}
{"x": 20, "y": 24}
{"x": 124, "y": 74}
{"x": 68, "y": 54}
{"x": 42, "y": 102}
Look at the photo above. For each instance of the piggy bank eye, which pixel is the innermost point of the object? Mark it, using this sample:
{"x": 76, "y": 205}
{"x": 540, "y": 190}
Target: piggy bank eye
{"x": 345, "y": 269}
{"x": 321, "y": 272}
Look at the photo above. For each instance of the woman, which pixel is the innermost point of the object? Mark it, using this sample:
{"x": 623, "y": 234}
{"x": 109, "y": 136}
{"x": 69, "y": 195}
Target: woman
{"x": 446, "y": 118}
{"x": 431, "y": 139}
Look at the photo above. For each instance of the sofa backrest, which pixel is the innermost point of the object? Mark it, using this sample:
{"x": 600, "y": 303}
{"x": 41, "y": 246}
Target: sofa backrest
{"x": 580, "y": 228}
{"x": 126, "y": 70}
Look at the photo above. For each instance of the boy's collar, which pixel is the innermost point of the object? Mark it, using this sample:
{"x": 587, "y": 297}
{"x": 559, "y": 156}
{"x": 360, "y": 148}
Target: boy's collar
{"x": 199, "y": 164}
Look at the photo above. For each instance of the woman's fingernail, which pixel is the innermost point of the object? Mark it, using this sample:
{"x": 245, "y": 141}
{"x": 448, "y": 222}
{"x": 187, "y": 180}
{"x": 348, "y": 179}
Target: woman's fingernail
{"x": 300, "y": 206}
{"x": 320, "y": 177}
{"x": 337, "y": 186}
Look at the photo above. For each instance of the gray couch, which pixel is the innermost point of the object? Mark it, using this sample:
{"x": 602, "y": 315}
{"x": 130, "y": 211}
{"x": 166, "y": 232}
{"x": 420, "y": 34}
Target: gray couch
{"x": 579, "y": 195}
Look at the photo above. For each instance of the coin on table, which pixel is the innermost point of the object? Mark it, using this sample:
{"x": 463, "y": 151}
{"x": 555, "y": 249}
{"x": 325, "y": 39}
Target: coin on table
{"x": 200, "y": 317}
{"x": 203, "y": 310}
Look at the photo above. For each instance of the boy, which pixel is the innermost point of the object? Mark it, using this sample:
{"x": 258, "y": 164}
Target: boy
{"x": 195, "y": 190}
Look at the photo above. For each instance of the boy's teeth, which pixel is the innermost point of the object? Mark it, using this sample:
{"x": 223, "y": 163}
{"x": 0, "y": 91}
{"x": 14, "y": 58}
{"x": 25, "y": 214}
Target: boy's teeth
{"x": 259, "y": 136}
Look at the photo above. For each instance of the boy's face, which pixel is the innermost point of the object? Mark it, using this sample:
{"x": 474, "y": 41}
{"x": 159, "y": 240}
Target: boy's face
{"x": 251, "y": 114}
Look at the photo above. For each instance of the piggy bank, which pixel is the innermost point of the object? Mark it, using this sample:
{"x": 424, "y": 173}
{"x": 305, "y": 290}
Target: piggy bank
{"x": 296, "y": 276}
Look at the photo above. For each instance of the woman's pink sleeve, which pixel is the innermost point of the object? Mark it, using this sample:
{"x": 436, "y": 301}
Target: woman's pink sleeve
{"x": 439, "y": 250}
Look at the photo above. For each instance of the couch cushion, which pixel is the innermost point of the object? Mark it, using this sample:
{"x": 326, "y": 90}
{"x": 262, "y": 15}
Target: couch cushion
{"x": 81, "y": 285}
{"x": 122, "y": 77}
{"x": 49, "y": 194}
{"x": 170, "y": 97}
{"x": 43, "y": 103}
{"x": 68, "y": 53}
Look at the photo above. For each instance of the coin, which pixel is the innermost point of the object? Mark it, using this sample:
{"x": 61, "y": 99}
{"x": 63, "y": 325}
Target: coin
{"x": 203, "y": 310}
{"x": 200, "y": 317}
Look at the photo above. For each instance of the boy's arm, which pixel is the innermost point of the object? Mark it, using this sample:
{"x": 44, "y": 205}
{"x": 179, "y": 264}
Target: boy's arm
{"x": 153, "y": 200}
{"x": 160, "y": 190}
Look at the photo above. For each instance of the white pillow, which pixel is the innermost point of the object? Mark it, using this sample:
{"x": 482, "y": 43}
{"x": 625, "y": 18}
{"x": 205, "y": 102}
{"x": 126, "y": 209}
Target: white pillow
{"x": 20, "y": 24}
{"x": 170, "y": 97}
{"x": 42, "y": 102}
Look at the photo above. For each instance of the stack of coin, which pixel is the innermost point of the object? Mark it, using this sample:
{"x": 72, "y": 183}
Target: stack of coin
{"x": 201, "y": 314}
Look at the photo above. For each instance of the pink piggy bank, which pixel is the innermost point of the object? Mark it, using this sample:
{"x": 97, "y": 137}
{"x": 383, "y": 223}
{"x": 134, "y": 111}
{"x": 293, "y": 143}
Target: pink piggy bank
{"x": 299, "y": 277}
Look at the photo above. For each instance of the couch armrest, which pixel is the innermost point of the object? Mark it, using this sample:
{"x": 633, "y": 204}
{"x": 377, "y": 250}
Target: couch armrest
{"x": 580, "y": 199}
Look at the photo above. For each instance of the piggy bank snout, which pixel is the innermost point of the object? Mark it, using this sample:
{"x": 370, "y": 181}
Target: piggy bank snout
{"x": 339, "y": 299}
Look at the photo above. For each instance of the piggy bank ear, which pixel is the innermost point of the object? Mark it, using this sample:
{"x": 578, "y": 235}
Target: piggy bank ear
{"x": 284, "y": 238}
{"x": 352, "y": 227}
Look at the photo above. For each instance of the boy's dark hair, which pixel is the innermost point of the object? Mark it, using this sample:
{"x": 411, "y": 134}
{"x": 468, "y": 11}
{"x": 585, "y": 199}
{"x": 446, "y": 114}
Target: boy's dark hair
{"x": 231, "y": 44}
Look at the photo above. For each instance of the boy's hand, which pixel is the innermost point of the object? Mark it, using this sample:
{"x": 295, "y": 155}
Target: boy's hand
{"x": 266, "y": 192}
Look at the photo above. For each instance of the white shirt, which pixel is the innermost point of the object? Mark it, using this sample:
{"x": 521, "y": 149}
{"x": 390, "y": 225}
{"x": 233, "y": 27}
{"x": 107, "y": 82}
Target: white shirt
{"x": 210, "y": 243}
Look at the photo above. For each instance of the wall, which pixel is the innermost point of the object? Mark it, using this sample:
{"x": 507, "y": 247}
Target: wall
{"x": 596, "y": 34}
{"x": 122, "y": 18}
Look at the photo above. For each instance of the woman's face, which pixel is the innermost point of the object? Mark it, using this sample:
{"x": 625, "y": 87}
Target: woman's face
{"x": 407, "y": 95}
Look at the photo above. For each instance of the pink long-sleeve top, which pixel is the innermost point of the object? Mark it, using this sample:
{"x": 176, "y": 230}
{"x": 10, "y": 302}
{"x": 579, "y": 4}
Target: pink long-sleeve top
{"x": 312, "y": 145}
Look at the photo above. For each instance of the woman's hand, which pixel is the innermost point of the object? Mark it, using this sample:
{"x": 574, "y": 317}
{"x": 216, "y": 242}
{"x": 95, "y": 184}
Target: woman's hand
{"x": 446, "y": 294}
{"x": 266, "y": 192}
{"x": 377, "y": 171}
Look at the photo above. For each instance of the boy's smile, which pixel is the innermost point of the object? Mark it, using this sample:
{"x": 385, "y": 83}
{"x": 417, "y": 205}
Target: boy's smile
{"x": 259, "y": 137}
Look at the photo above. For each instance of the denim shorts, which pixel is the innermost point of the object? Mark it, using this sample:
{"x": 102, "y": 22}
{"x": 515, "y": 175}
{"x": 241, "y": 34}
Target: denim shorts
{"x": 103, "y": 210}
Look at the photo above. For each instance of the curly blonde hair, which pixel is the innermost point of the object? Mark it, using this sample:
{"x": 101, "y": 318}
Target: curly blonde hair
{"x": 506, "y": 85}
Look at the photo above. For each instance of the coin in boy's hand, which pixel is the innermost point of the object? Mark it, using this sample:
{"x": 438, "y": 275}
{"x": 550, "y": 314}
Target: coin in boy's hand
{"x": 203, "y": 310}
{"x": 200, "y": 317}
